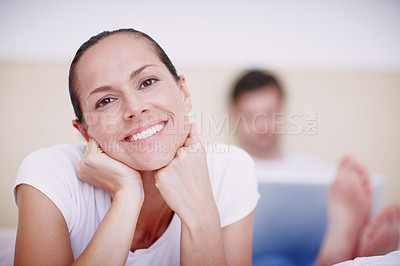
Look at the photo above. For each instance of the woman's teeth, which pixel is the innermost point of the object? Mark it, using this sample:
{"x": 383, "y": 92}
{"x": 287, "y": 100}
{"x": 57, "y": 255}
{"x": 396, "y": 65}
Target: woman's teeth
{"x": 146, "y": 133}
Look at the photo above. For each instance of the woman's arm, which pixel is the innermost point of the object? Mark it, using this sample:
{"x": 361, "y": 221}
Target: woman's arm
{"x": 202, "y": 242}
{"x": 43, "y": 237}
{"x": 111, "y": 243}
{"x": 238, "y": 239}
{"x": 186, "y": 188}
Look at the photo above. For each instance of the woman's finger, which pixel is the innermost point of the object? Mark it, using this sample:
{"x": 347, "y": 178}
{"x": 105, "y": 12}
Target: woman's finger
{"x": 193, "y": 132}
{"x": 193, "y": 138}
{"x": 93, "y": 146}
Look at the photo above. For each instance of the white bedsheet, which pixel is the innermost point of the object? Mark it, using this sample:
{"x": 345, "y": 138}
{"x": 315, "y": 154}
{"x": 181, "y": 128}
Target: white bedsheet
{"x": 392, "y": 258}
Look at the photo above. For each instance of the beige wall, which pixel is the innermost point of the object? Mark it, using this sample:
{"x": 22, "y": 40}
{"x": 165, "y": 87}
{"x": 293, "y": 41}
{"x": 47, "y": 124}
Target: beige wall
{"x": 357, "y": 113}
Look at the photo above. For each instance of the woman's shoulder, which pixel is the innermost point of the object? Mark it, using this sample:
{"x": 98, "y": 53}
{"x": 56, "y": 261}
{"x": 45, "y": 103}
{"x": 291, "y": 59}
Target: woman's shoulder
{"x": 51, "y": 171}
{"x": 51, "y": 163}
{"x": 222, "y": 153}
{"x": 64, "y": 149}
{"x": 227, "y": 163}
{"x": 60, "y": 153}
{"x": 233, "y": 180}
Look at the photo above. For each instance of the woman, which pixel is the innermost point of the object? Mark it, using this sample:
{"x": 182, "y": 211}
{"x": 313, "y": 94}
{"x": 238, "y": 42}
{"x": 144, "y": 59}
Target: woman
{"x": 144, "y": 191}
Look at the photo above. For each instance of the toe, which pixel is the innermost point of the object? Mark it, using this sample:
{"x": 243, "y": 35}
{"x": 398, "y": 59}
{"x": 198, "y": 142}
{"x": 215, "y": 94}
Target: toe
{"x": 396, "y": 211}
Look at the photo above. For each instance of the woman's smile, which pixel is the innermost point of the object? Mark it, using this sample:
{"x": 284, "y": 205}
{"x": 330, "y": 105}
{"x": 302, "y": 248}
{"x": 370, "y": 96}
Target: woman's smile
{"x": 146, "y": 133}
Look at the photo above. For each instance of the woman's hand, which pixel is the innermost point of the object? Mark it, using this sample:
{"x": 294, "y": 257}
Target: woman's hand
{"x": 185, "y": 186}
{"x": 184, "y": 183}
{"x": 102, "y": 171}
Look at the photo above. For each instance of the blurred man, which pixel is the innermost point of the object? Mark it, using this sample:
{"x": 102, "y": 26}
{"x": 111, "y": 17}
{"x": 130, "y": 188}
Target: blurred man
{"x": 258, "y": 97}
{"x": 258, "y": 119}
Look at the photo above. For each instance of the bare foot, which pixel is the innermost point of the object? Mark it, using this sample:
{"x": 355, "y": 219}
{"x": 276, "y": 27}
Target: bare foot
{"x": 380, "y": 235}
{"x": 349, "y": 205}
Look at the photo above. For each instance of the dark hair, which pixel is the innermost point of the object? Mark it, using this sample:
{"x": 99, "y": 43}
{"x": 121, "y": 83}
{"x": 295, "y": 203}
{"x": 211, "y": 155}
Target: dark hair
{"x": 92, "y": 41}
{"x": 255, "y": 80}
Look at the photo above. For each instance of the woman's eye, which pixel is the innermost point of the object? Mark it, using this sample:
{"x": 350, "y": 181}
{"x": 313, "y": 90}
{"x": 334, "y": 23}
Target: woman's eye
{"x": 147, "y": 83}
{"x": 104, "y": 102}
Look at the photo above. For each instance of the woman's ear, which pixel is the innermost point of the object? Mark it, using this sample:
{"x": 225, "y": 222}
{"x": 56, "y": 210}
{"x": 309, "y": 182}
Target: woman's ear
{"x": 187, "y": 100}
{"x": 81, "y": 129}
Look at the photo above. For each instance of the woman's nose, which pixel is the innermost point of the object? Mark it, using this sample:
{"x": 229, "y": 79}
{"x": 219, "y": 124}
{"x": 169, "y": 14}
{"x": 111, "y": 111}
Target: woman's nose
{"x": 134, "y": 107}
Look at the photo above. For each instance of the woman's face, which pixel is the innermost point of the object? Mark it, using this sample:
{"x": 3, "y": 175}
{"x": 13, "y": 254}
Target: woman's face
{"x": 132, "y": 105}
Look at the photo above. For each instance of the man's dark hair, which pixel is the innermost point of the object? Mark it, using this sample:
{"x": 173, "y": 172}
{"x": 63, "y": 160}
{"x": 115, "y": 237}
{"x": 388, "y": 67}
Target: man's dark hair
{"x": 92, "y": 41}
{"x": 255, "y": 80}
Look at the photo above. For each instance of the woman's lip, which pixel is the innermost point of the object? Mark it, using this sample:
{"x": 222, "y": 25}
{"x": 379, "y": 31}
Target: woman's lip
{"x": 143, "y": 127}
{"x": 152, "y": 137}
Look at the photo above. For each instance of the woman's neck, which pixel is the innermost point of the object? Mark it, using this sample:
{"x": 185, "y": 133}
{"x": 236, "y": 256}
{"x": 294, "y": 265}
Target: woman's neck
{"x": 155, "y": 215}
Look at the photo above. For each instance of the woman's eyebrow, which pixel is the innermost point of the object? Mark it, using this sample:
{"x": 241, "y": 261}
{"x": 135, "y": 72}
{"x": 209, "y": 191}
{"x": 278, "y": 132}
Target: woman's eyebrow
{"x": 137, "y": 71}
{"x": 99, "y": 89}
{"x": 133, "y": 75}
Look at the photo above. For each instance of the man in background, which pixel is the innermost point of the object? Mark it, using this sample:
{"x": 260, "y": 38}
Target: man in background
{"x": 259, "y": 119}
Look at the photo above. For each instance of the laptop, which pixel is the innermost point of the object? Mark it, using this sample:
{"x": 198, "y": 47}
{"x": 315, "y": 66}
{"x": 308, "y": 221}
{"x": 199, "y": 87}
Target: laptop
{"x": 290, "y": 218}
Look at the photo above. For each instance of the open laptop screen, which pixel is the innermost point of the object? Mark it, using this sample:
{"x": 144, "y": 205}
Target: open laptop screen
{"x": 290, "y": 217}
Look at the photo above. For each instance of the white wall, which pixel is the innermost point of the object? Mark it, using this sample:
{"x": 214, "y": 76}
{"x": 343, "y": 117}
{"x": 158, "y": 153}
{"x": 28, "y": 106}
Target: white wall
{"x": 329, "y": 34}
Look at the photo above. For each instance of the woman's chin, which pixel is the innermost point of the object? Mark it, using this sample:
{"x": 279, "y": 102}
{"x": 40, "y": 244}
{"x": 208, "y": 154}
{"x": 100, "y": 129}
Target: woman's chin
{"x": 151, "y": 163}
